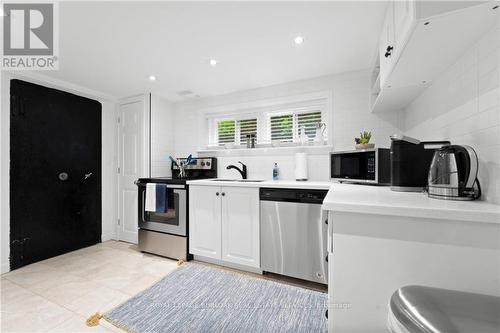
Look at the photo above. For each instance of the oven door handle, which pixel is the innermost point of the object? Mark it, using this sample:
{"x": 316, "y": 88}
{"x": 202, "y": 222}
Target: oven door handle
{"x": 182, "y": 187}
{"x": 143, "y": 206}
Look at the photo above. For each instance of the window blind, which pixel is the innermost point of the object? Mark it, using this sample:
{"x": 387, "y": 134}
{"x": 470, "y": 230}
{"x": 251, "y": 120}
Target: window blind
{"x": 268, "y": 126}
{"x": 282, "y": 127}
{"x": 247, "y": 127}
{"x": 308, "y": 121}
{"x": 225, "y": 131}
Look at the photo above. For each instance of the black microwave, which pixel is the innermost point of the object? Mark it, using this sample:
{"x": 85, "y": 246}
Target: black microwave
{"x": 364, "y": 166}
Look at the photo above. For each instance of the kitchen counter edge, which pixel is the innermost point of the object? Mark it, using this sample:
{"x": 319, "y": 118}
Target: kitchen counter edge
{"x": 380, "y": 200}
{"x": 314, "y": 185}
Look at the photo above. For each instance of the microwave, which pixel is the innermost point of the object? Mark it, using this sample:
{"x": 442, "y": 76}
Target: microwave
{"x": 363, "y": 166}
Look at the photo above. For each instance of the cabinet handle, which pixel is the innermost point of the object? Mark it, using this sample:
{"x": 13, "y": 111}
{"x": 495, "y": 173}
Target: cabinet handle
{"x": 217, "y": 193}
{"x": 326, "y": 258}
{"x": 388, "y": 52}
{"x": 326, "y": 221}
{"x": 223, "y": 194}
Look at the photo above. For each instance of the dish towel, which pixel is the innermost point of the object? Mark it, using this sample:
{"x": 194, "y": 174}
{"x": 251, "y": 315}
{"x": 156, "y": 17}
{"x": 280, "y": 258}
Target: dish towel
{"x": 156, "y": 198}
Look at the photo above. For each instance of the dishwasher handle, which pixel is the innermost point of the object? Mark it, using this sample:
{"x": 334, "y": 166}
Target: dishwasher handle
{"x": 307, "y": 196}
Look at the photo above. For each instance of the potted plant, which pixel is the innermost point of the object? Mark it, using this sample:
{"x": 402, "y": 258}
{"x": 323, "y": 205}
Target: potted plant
{"x": 363, "y": 142}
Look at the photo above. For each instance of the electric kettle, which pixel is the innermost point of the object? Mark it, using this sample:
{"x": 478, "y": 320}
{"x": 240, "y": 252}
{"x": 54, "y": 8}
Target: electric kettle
{"x": 453, "y": 174}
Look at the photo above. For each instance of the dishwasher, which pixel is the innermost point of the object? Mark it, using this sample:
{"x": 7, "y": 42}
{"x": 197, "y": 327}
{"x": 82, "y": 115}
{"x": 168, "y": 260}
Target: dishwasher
{"x": 293, "y": 233}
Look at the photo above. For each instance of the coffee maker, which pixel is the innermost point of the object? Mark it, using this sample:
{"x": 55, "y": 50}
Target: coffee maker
{"x": 453, "y": 174}
{"x": 410, "y": 162}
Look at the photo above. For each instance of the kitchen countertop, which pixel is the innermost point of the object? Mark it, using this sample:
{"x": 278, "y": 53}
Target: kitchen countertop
{"x": 381, "y": 200}
{"x": 315, "y": 185}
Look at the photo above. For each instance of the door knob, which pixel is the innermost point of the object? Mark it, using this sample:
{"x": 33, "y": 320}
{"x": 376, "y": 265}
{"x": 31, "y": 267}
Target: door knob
{"x": 63, "y": 176}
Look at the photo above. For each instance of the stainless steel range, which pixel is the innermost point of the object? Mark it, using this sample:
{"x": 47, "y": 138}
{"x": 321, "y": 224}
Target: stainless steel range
{"x": 166, "y": 233}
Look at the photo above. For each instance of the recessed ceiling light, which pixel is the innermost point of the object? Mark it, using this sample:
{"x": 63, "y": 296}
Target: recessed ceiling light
{"x": 298, "y": 40}
{"x": 152, "y": 78}
{"x": 213, "y": 62}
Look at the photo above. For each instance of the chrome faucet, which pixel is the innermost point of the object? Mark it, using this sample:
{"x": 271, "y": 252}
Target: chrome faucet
{"x": 243, "y": 171}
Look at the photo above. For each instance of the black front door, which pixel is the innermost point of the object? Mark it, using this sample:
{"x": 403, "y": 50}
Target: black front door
{"x": 55, "y": 172}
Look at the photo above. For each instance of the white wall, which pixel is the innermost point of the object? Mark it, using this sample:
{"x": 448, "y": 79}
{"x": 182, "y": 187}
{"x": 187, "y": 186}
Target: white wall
{"x": 162, "y": 136}
{"x": 108, "y": 155}
{"x": 463, "y": 106}
{"x": 350, "y": 105}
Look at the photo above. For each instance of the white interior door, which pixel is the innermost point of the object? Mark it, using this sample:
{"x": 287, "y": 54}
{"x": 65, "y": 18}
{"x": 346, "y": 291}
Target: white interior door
{"x": 133, "y": 162}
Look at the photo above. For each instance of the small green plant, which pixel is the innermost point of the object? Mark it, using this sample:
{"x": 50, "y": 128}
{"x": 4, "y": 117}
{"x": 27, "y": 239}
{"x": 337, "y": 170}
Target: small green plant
{"x": 364, "y": 138}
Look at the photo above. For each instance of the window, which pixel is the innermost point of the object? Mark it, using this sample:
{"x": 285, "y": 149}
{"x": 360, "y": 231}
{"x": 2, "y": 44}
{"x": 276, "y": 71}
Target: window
{"x": 282, "y": 128}
{"x": 270, "y": 125}
{"x": 225, "y": 131}
{"x": 230, "y": 131}
{"x": 308, "y": 121}
{"x": 247, "y": 127}
{"x": 285, "y": 127}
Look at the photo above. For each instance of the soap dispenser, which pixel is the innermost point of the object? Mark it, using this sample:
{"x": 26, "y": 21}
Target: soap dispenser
{"x": 276, "y": 172}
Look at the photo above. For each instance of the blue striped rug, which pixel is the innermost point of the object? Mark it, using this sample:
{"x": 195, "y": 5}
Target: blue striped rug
{"x": 198, "y": 298}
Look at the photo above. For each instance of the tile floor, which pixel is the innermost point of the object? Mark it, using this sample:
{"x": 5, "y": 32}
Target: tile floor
{"x": 58, "y": 294}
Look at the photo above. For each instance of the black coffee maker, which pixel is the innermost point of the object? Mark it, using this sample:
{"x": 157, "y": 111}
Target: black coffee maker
{"x": 410, "y": 162}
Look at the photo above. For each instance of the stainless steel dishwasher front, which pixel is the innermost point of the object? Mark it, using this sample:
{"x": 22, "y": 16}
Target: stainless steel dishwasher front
{"x": 294, "y": 233}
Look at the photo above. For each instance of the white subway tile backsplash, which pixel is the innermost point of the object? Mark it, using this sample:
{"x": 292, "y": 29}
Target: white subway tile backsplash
{"x": 489, "y": 63}
{"x": 488, "y": 100}
{"x": 351, "y": 115}
{"x": 462, "y": 105}
{"x": 488, "y": 81}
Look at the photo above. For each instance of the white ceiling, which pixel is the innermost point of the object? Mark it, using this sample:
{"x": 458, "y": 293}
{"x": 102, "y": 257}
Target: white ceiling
{"x": 112, "y": 47}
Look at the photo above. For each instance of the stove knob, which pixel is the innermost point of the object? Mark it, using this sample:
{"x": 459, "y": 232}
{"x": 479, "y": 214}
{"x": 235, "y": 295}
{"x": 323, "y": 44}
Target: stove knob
{"x": 202, "y": 164}
{"x": 208, "y": 163}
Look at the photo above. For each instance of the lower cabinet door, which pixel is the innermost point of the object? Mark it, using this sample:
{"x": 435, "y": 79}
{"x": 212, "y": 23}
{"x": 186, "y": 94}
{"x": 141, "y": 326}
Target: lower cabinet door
{"x": 205, "y": 221}
{"x": 240, "y": 226}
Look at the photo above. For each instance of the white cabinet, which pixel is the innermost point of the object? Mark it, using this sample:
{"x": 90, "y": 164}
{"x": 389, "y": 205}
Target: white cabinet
{"x": 404, "y": 19}
{"x": 240, "y": 226}
{"x": 205, "y": 221}
{"x": 386, "y": 44}
{"x": 418, "y": 41}
{"x": 224, "y": 224}
{"x": 398, "y": 22}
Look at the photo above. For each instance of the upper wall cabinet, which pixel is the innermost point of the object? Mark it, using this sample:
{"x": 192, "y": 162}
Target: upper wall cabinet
{"x": 418, "y": 41}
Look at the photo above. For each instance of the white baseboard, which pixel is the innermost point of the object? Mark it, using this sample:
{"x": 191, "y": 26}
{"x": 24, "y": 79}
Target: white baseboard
{"x": 108, "y": 236}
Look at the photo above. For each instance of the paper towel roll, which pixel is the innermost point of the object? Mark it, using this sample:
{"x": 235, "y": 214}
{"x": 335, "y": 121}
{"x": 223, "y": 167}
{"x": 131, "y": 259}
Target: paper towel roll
{"x": 300, "y": 166}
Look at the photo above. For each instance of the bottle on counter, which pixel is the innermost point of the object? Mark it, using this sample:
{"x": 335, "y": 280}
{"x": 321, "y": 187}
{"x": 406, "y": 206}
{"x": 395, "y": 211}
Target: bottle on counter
{"x": 276, "y": 172}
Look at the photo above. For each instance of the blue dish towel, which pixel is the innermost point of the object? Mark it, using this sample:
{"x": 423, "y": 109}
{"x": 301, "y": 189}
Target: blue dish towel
{"x": 161, "y": 198}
